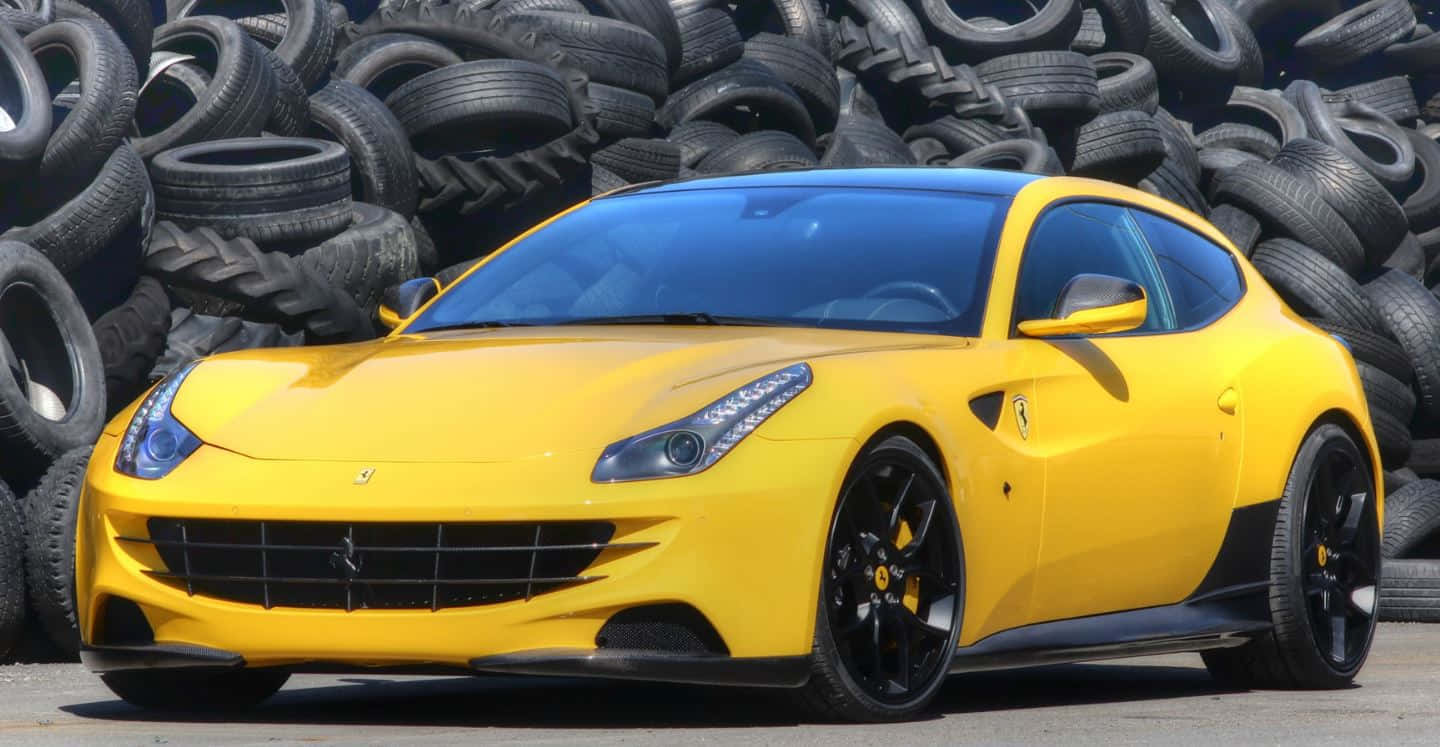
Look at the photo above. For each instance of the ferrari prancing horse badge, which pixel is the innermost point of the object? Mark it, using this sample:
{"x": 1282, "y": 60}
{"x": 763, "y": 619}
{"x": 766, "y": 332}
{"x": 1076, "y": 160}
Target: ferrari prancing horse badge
{"x": 1022, "y": 415}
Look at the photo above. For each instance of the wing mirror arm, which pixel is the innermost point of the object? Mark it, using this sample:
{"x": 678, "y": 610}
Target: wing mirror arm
{"x": 1092, "y": 305}
{"x": 400, "y": 302}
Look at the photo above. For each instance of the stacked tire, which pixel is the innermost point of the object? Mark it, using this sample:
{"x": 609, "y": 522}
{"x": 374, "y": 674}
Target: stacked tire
{"x": 226, "y": 175}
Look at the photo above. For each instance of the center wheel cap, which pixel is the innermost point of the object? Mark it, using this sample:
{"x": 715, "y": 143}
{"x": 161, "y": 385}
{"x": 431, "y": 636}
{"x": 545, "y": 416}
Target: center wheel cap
{"x": 1322, "y": 555}
{"x": 882, "y": 578}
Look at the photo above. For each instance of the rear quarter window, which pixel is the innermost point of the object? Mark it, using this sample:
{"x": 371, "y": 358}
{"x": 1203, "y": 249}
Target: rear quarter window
{"x": 1203, "y": 278}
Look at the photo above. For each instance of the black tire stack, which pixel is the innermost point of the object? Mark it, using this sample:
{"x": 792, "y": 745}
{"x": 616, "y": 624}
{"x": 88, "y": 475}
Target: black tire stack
{"x": 238, "y": 175}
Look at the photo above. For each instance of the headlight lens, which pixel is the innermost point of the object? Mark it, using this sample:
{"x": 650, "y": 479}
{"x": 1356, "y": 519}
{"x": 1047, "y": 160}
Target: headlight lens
{"x": 155, "y": 442}
{"x": 692, "y": 444}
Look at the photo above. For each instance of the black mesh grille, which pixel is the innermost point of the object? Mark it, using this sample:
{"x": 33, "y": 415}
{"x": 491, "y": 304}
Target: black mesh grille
{"x": 353, "y": 566}
{"x": 671, "y": 628}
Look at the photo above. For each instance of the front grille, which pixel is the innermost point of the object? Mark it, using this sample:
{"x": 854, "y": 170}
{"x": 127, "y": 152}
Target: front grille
{"x": 350, "y": 566}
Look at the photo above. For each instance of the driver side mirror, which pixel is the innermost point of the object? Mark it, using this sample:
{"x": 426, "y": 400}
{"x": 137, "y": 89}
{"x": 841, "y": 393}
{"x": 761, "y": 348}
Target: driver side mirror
{"x": 400, "y": 302}
{"x": 1092, "y": 305}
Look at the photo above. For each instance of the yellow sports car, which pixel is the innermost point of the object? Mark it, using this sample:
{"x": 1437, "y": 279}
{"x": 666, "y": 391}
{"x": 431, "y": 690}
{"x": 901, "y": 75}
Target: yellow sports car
{"x": 840, "y": 432}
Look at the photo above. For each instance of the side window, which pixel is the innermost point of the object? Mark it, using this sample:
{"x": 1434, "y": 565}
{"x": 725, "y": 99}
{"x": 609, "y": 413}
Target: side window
{"x": 1083, "y": 237}
{"x": 1203, "y": 279}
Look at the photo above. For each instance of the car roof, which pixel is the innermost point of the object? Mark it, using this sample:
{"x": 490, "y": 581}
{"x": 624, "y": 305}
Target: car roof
{"x": 947, "y": 179}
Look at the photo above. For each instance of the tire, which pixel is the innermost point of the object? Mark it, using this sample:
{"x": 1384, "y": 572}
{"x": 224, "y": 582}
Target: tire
{"x": 1014, "y": 155}
{"x": 131, "y": 338}
{"x": 1366, "y": 206}
{"x": 1356, "y": 34}
{"x": 1339, "y": 130}
{"x": 698, "y": 138}
{"x": 640, "y": 160}
{"x": 1290, "y": 207}
{"x": 763, "y": 150}
{"x": 1127, "y": 24}
{"x": 12, "y": 572}
{"x": 1180, "y": 146}
{"x": 309, "y": 39}
{"x": 1387, "y": 393}
{"x": 655, "y": 16}
{"x": 1053, "y": 25}
{"x": 862, "y": 141}
{"x": 959, "y": 136}
{"x": 1422, "y": 193}
{"x": 92, "y": 130}
{"x": 51, "y": 512}
{"x": 383, "y": 62}
{"x": 1289, "y": 656}
{"x": 269, "y": 286}
{"x": 798, "y": 19}
{"x": 1412, "y": 316}
{"x": 772, "y": 104}
{"x": 1425, "y": 456}
{"x": 1392, "y": 437}
{"x": 241, "y": 94}
{"x": 1052, "y": 87}
{"x": 710, "y": 40}
{"x": 1090, "y": 39}
{"x": 1242, "y": 228}
{"x": 375, "y": 252}
{"x": 893, "y": 17}
{"x": 1396, "y": 480}
{"x": 1410, "y": 591}
{"x": 291, "y": 111}
{"x": 609, "y": 51}
{"x": 193, "y": 336}
{"x": 1408, "y": 257}
{"x": 602, "y": 180}
{"x": 521, "y": 6}
{"x": 1374, "y": 349}
{"x": 1313, "y": 285}
{"x": 382, "y": 164}
{"x": 90, "y": 221}
{"x": 166, "y": 96}
{"x": 1267, "y": 110}
{"x": 491, "y": 101}
{"x": 1171, "y": 182}
{"x": 129, "y": 19}
{"x": 1124, "y": 147}
{"x": 195, "y": 690}
{"x": 1127, "y": 82}
{"x": 1216, "y": 161}
{"x": 1239, "y": 136}
{"x": 837, "y": 688}
{"x": 622, "y": 112}
{"x": 1420, "y": 54}
{"x": 48, "y": 341}
{"x": 273, "y": 190}
{"x": 1394, "y": 97}
{"x": 807, "y": 72}
{"x": 25, "y": 97}
{"x": 1411, "y": 520}
{"x": 1203, "y": 46}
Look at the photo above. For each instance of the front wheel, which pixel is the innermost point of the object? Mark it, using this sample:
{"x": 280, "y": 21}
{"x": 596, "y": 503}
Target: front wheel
{"x": 891, "y": 590}
{"x": 195, "y": 690}
{"x": 1323, "y": 575}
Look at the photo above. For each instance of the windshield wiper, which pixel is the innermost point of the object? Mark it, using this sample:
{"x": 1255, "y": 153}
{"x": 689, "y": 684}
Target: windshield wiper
{"x": 473, "y": 325}
{"x": 688, "y": 318}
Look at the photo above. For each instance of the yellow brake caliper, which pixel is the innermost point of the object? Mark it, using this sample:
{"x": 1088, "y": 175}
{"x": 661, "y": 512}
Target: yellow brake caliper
{"x": 911, "y": 600}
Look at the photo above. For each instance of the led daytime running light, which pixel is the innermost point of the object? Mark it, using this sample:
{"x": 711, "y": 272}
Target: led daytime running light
{"x": 155, "y": 442}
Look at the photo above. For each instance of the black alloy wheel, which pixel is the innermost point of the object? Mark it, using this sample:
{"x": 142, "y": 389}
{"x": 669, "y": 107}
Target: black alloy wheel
{"x": 1341, "y": 557}
{"x": 892, "y": 589}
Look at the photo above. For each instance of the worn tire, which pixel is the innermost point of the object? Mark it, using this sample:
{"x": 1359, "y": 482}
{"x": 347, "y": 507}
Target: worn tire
{"x": 1366, "y": 206}
{"x": 1412, "y": 316}
{"x": 640, "y": 160}
{"x": 1422, "y": 192}
{"x": 807, "y": 72}
{"x": 489, "y": 101}
{"x": 308, "y": 43}
{"x": 1013, "y": 155}
{"x": 129, "y": 19}
{"x": 1228, "y": 54}
{"x": 609, "y": 51}
{"x": 193, "y": 336}
{"x": 269, "y": 286}
{"x": 655, "y": 16}
{"x": 1052, "y": 26}
{"x": 1336, "y": 126}
{"x": 698, "y": 138}
{"x": 131, "y": 337}
{"x": 382, "y": 164}
{"x": 51, "y": 512}
{"x": 26, "y": 100}
{"x": 772, "y": 104}
{"x": 1410, "y": 591}
{"x": 377, "y": 251}
{"x": 1049, "y": 86}
{"x": 622, "y": 112}
{"x": 1313, "y": 285}
{"x": 12, "y": 571}
{"x": 1127, "y": 81}
{"x": 763, "y": 150}
{"x": 44, "y": 333}
{"x": 1394, "y": 97}
{"x": 87, "y": 223}
{"x": 1290, "y": 207}
{"x": 1124, "y": 147}
{"x": 1242, "y": 228}
{"x": 273, "y": 190}
{"x": 710, "y": 41}
{"x": 863, "y": 141}
{"x": 1357, "y": 33}
{"x": 1373, "y": 348}
{"x": 380, "y": 63}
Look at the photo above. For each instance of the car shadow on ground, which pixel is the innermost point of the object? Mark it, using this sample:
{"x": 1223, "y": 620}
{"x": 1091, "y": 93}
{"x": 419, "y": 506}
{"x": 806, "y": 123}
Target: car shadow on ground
{"x": 585, "y": 704}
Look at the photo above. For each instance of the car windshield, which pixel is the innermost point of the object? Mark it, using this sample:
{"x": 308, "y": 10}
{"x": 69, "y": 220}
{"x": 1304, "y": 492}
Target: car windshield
{"x": 849, "y": 258}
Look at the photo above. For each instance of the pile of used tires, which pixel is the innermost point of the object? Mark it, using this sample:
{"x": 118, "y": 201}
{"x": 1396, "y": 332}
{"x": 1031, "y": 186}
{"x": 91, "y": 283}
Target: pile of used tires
{"x": 198, "y": 176}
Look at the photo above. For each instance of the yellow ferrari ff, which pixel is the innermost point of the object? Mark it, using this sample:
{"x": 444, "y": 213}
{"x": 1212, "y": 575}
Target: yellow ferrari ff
{"x": 840, "y": 432}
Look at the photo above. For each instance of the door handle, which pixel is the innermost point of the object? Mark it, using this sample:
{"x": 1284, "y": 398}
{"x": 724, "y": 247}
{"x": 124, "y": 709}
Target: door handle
{"x": 1228, "y": 401}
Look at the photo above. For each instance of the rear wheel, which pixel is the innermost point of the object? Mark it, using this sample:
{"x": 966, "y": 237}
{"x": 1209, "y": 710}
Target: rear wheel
{"x": 1323, "y": 573}
{"x": 195, "y": 690}
{"x": 891, "y": 591}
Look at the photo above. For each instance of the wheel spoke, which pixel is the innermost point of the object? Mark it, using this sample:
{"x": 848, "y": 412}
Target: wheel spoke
{"x": 1362, "y": 600}
{"x": 902, "y": 655}
{"x": 859, "y": 622}
{"x": 897, "y": 511}
{"x": 1337, "y": 636}
{"x": 864, "y": 541}
{"x": 878, "y": 520}
{"x": 879, "y": 672}
{"x": 911, "y": 620}
{"x": 922, "y": 530}
{"x": 925, "y": 574}
{"x": 1353, "y": 513}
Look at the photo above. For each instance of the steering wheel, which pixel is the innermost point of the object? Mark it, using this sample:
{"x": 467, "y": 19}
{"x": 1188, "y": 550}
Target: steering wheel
{"x": 923, "y": 292}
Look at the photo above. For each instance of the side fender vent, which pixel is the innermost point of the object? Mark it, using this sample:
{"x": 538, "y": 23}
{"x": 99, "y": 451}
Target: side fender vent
{"x": 987, "y": 408}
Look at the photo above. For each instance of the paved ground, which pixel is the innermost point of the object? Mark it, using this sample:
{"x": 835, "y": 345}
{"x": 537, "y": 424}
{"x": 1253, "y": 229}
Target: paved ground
{"x": 1159, "y": 700}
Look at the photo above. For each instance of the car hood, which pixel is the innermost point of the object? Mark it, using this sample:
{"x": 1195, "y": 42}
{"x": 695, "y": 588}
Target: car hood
{"x": 491, "y": 395}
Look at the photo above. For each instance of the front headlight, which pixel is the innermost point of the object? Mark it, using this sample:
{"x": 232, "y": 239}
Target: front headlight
{"x": 156, "y": 443}
{"x": 692, "y": 444}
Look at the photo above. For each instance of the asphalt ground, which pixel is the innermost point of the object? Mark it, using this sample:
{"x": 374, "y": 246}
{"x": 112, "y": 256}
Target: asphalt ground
{"x": 1158, "y": 700}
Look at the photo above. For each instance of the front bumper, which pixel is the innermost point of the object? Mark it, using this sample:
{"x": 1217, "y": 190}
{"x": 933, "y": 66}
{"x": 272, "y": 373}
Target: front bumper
{"x": 740, "y": 543}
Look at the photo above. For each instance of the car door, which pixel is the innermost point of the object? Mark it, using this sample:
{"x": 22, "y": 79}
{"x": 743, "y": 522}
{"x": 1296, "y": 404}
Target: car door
{"x": 1138, "y": 453}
